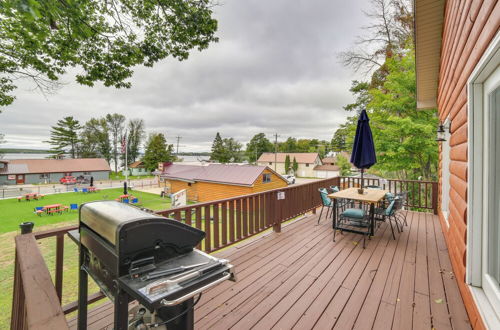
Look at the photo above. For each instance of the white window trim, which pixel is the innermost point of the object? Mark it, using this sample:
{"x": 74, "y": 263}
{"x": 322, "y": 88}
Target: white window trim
{"x": 483, "y": 69}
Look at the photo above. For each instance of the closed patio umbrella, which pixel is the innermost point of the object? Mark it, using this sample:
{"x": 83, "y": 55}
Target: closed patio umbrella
{"x": 363, "y": 150}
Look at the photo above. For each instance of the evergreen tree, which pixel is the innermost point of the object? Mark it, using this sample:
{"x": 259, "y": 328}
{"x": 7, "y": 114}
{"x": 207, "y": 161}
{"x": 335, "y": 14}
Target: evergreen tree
{"x": 287, "y": 163}
{"x": 135, "y": 137}
{"x": 257, "y": 146}
{"x": 115, "y": 123}
{"x": 157, "y": 151}
{"x": 64, "y": 137}
{"x": 295, "y": 166}
{"x": 218, "y": 152}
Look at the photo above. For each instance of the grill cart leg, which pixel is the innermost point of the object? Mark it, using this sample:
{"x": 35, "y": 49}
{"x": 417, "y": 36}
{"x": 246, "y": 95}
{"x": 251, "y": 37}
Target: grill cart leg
{"x": 121, "y": 310}
{"x": 82, "y": 294}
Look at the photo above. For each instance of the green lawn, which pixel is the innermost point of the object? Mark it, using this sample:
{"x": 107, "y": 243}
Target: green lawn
{"x": 12, "y": 212}
{"x": 120, "y": 176}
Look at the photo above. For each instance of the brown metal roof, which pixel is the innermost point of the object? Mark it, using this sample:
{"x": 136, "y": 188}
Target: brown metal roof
{"x": 301, "y": 157}
{"x": 28, "y": 166}
{"x": 326, "y": 168}
{"x": 137, "y": 164}
{"x": 244, "y": 175}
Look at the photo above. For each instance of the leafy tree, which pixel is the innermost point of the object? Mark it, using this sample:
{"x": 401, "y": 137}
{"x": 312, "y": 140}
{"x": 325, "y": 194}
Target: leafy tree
{"x": 295, "y": 166}
{"x": 135, "y": 138}
{"x": 218, "y": 152}
{"x": 257, "y": 146}
{"x": 287, "y": 163}
{"x": 231, "y": 151}
{"x": 344, "y": 164}
{"x": 157, "y": 151}
{"x": 290, "y": 145}
{"x": 116, "y": 125}
{"x": 39, "y": 40}
{"x": 64, "y": 137}
{"x": 94, "y": 139}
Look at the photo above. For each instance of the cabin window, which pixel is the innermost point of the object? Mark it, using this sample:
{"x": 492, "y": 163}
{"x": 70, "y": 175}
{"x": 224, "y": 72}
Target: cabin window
{"x": 86, "y": 173}
{"x": 67, "y": 173}
{"x": 266, "y": 177}
{"x": 307, "y": 164}
{"x": 44, "y": 176}
{"x": 270, "y": 163}
{"x": 189, "y": 184}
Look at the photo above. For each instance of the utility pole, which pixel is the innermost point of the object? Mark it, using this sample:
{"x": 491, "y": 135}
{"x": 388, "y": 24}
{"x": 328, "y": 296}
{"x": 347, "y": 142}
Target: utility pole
{"x": 178, "y": 138}
{"x": 275, "y": 150}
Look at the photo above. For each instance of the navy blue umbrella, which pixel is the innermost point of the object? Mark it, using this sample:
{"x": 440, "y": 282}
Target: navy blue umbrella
{"x": 363, "y": 150}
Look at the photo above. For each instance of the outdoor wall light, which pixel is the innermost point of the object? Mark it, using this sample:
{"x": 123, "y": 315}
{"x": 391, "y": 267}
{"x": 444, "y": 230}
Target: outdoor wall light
{"x": 441, "y": 131}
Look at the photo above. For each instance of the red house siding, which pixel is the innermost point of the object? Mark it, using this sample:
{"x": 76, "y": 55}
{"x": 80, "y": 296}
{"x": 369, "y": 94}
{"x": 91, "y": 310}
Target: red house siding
{"x": 468, "y": 29}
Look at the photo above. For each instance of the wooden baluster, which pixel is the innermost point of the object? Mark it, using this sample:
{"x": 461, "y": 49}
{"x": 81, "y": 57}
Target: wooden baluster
{"x": 232, "y": 218}
{"x": 198, "y": 222}
{"x": 238, "y": 219}
{"x": 208, "y": 229}
{"x": 59, "y": 264}
{"x": 245, "y": 217}
{"x": 188, "y": 216}
{"x": 216, "y": 225}
{"x": 224, "y": 223}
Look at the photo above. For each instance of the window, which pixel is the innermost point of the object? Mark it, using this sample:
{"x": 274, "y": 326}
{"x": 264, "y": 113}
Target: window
{"x": 266, "y": 177}
{"x": 67, "y": 173}
{"x": 189, "y": 184}
{"x": 86, "y": 173}
{"x": 445, "y": 168}
{"x": 44, "y": 176}
{"x": 307, "y": 164}
{"x": 270, "y": 163}
{"x": 483, "y": 216}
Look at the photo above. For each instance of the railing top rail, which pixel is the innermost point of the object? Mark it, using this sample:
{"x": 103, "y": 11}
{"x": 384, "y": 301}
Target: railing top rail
{"x": 183, "y": 208}
{"x": 54, "y": 231}
{"x": 43, "y": 309}
{"x": 398, "y": 180}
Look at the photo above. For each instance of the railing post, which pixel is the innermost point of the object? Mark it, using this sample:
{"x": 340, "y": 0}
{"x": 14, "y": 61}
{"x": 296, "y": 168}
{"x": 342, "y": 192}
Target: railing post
{"x": 435, "y": 197}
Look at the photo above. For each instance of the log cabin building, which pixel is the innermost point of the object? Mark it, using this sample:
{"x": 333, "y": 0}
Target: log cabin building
{"x": 457, "y": 67}
{"x": 219, "y": 181}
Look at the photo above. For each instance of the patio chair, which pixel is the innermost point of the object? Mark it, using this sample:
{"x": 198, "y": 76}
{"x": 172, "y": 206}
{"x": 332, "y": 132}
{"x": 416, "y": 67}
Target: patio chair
{"x": 85, "y": 190}
{"x": 354, "y": 217}
{"x": 73, "y": 206}
{"x": 135, "y": 201}
{"x": 75, "y": 189}
{"x": 325, "y": 202}
{"x": 39, "y": 210}
{"x": 125, "y": 200}
{"x": 403, "y": 211}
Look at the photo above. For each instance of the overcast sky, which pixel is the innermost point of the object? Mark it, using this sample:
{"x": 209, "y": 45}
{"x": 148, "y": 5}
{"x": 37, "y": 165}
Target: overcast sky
{"x": 274, "y": 70}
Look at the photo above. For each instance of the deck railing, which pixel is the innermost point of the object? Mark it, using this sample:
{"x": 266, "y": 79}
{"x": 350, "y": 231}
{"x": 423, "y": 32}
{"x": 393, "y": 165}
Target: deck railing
{"x": 37, "y": 300}
{"x": 35, "y": 304}
{"x": 422, "y": 195}
{"x": 231, "y": 220}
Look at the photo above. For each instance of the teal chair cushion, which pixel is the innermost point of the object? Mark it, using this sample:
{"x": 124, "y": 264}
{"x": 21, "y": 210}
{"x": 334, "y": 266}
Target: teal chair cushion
{"x": 354, "y": 213}
{"x": 389, "y": 196}
{"x": 335, "y": 189}
{"x": 390, "y": 209}
{"x": 324, "y": 197}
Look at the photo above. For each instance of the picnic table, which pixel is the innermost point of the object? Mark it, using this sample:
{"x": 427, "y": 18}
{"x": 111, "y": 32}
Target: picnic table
{"x": 29, "y": 196}
{"x": 53, "y": 208}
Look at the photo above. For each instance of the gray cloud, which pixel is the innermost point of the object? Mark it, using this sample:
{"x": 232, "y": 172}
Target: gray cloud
{"x": 274, "y": 70}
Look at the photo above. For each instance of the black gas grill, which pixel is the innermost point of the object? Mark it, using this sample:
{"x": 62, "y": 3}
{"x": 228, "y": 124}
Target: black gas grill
{"x": 135, "y": 255}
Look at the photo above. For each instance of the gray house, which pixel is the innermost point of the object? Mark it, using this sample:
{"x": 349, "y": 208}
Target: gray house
{"x": 30, "y": 171}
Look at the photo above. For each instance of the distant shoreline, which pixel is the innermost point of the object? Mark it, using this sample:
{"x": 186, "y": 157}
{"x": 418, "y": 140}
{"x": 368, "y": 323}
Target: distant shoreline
{"x": 23, "y": 151}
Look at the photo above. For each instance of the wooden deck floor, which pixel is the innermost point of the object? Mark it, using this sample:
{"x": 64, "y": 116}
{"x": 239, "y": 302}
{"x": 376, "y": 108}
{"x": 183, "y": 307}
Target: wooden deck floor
{"x": 301, "y": 279}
